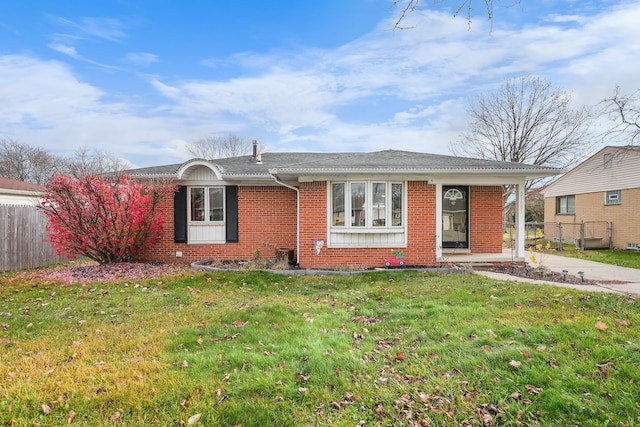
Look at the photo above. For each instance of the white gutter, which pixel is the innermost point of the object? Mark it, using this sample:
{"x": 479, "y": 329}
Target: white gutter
{"x": 297, "y": 190}
{"x": 21, "y": 192}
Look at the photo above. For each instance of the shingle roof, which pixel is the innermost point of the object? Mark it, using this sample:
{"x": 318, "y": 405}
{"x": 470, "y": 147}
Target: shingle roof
{"x": 395, "y": 160}
{"x": 13, "y": 184}
{"x": 389, "y": 161}
{"x": 164, "y": 170}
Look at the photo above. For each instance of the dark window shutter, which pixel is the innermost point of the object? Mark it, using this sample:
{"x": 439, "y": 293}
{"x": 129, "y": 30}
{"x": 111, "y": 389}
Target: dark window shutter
{"x": 231, "y": 194}
{"x": 180, "y": 215}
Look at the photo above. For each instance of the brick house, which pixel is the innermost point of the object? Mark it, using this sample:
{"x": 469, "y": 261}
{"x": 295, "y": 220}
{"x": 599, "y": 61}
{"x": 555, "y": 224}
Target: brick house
{"x": 603, "y": 188}
{"x": 338, "y": 209}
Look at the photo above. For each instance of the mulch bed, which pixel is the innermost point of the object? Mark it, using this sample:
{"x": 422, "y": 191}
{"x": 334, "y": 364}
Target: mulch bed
{"x": 90, "y": 271}
{"x": 549, "y": 276}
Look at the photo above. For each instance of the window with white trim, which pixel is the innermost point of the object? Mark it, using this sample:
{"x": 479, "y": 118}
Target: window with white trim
{"x": 613, "y": 197}
{"x": 206, "y": 204}
{"x": 368, "y": 204}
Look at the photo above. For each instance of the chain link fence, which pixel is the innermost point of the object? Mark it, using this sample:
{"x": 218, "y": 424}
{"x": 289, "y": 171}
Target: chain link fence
{"x": 582, "y": 235}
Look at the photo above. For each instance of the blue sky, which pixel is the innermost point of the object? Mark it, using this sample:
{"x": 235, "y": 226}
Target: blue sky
{"x": 140, "y": 79}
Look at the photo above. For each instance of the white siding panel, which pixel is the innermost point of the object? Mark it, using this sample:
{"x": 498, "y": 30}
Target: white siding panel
{"x": 591, "y": 176}
{"x": 199, "y": 234}
{"x": 368, "y": 240}
{"x": 202, "y": 174}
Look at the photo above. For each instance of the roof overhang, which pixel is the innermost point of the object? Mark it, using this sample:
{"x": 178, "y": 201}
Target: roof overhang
{"x": 478, "y": 177}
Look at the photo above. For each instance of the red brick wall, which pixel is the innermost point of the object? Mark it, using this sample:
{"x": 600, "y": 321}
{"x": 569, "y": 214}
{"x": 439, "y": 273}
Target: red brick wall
{"x": 422, "y": 222}
{"x": 486, "y": 219}
{"x": 267, "y": 220}
{"x": 313, "y": 226}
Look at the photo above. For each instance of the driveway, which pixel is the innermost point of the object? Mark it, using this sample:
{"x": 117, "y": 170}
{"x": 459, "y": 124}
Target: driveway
{"x": 610, "y": 278}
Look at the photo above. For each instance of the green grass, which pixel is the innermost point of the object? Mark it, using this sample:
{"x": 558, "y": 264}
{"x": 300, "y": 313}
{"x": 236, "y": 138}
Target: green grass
{"x": 622, "y": 258}
{"x": 255, "y": 349}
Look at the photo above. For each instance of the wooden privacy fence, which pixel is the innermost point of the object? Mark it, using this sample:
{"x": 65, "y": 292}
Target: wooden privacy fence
{"x": 24, "y": 242}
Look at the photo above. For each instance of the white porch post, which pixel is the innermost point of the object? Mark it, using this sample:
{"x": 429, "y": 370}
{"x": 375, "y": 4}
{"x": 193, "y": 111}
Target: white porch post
{"x": 520, "y": 188}
{"x": 438, "y": 221}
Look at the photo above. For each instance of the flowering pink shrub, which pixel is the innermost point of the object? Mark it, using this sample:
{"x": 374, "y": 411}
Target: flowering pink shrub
{"x": 106, "y": 218}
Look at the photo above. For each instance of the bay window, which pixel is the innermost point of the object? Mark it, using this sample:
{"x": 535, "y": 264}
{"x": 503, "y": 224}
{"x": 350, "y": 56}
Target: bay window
{"x": 396, "y": 205}
{"x": 358, "y": 204}
{"x": 337, "y": 195}
{"x": 379, "y": 198}
{"x": 370, "y": 204}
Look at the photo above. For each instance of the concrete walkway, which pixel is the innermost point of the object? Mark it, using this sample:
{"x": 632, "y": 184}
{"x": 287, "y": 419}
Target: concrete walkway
{"x": 610, "y": 278}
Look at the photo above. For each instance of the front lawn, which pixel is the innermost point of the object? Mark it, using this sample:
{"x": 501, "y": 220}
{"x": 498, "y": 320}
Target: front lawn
{"x": 255, "y": 349}
{"x": 619, "y": 257}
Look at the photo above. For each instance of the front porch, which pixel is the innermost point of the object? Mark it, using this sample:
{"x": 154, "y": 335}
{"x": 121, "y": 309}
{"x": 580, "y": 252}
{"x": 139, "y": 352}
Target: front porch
{"x": 480, "y": 260}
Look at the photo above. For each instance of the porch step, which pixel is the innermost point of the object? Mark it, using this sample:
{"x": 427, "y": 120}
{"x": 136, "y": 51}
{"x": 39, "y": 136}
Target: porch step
{"x": 476, "y": 265}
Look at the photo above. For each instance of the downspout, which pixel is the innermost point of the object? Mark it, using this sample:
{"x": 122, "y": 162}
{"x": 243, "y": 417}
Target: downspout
{"x": 297, "y": 190}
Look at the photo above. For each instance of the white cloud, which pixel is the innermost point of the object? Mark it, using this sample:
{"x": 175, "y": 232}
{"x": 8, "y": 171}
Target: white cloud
{"x": 141, "y": 58}
{"x": 90, "y": 27}
{"x": 48, "y": 107}
{"x": 84, "y": 30}
{"x": 405, "y": 89}
{"x": 64, "y": 49}
{"x": 72, "y": 52}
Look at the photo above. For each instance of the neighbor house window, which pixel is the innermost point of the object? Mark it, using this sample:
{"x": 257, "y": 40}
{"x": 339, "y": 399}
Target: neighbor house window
{"x": 566, "y": 204}
{"x": 613, "y": 197}
{"x": 206, "y": 204}
{"x": 370, "y": 204}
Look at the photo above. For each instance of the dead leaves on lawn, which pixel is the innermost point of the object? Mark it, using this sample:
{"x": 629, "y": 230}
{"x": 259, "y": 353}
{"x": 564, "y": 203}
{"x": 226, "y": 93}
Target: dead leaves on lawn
{"x": 240, "y": 324}
{"x": 366, "y": 320}
{"x": 601, "y": 325}
{"x": 415, "y": 409}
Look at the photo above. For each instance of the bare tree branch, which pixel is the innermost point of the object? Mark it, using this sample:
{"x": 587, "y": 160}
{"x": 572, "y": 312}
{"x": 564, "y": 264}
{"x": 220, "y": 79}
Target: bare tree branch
{"x": 93, "y": 162}
{"x": 26, "y": 163}
{"x": 32, "y": 164}
{"x": 409, "y": 6}
{"x": 624, "y": 113}
{"x": 526, "y": 121}
{"x": 215, "y": 147}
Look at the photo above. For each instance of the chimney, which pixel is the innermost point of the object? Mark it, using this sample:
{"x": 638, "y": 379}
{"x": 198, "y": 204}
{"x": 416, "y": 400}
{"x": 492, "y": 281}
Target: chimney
{"x": 257, "y": 156}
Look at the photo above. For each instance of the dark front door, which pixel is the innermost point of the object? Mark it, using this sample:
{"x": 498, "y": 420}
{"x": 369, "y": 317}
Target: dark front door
{"x": 455, "y": 216}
